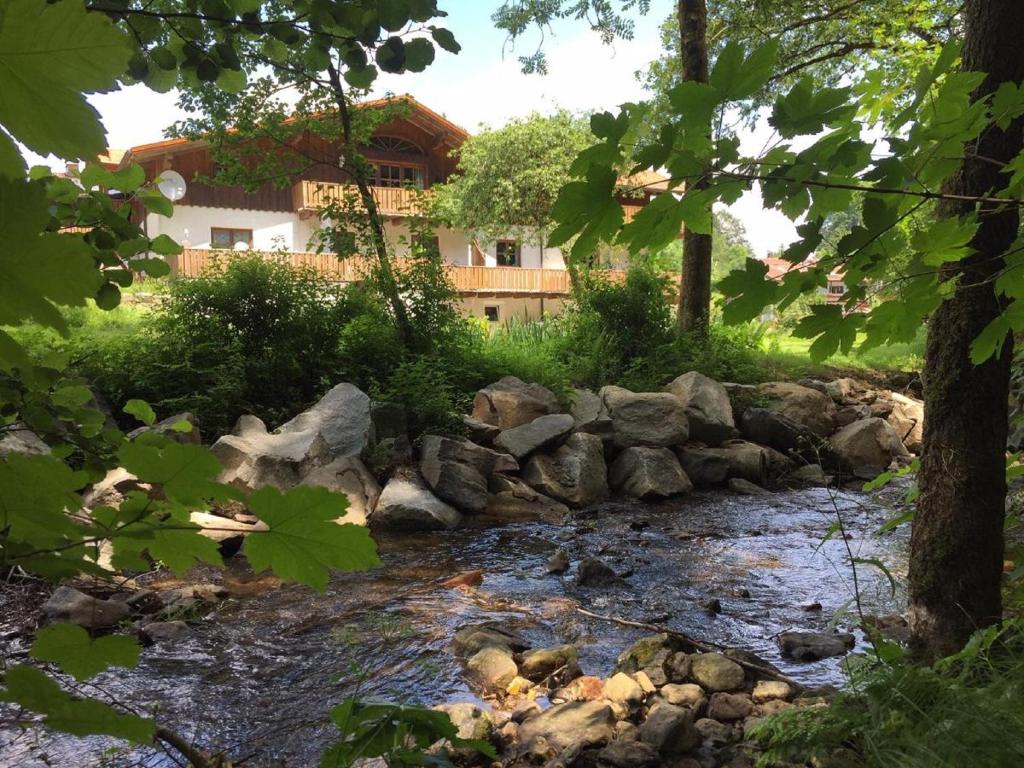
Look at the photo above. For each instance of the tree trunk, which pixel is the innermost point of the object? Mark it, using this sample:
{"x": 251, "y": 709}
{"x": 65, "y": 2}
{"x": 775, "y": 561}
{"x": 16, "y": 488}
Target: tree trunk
{"x": 695, "y": 276}
{"x": 956, "y": 548}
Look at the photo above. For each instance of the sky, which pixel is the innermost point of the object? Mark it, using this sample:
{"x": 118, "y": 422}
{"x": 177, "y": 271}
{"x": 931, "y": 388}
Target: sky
{"x": 484, "y": 86}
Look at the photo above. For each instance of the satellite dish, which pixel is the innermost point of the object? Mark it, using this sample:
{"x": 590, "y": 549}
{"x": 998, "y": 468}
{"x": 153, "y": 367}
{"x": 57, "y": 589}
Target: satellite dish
{"x": 172, "y": 185}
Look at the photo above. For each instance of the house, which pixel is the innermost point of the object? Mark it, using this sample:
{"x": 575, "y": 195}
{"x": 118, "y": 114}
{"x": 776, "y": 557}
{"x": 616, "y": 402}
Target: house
{"x": 409, "y": 152}
{"x": 834, "y": 290}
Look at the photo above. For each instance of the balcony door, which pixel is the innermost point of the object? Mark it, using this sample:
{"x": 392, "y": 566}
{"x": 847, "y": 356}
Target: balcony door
{"x": 507, "y": 253}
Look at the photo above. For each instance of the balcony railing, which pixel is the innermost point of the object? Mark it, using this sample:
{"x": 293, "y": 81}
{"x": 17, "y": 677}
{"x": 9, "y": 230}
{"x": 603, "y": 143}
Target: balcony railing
{"x": 193, "y": 262}
{"x": 308, "y": 197}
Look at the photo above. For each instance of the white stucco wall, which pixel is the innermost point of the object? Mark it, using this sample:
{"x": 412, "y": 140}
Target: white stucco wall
{"x": 529, "y": 257}
{"x": 191, "y": 224}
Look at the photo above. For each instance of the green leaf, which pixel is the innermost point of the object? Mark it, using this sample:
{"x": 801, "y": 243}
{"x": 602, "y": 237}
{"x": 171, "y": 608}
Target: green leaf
{"x": 419, "y": 54}
{"x": 992, "y": 339}
{"x": 736, "y": 78}
{"x": 303, "y": 541}
{"x": 152, "y": 267}
{"x": 32, "y": 689}
{"x": 361, "y": 77}
{"x": 833, "y": 330}
{"x": 185, "y": 472}
{"x": 695, "y": 102}
{"x": 70, "y": 648}
{"x": 807, "y": 108}
{"x": 35, "y": 492}
{"x": 747, "y": 292}
{"x": 876, "y": 563}
{"x": 391, "y": 55}
{"x": 445, "y": 39}
{"x": 945, "y": 240}
{"x": 12, "y": 164}
{"x": 108, "y": 297}
{"x": 141, "y": 410}
{"x": 155, "y": 202}
{"x": 50, "y": 53}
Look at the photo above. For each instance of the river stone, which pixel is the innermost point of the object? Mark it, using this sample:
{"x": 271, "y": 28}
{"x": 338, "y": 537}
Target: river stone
{"x": 704, "y": 467}
{"x": 537, "y": 664}
{"x": 163, "y": 631}
{"x": 807, "y": 407}
{"x": 492, "y": 667}
{"x": 767, "y": 690}
{"x": 512, "y": 500}
{"x": 461, "y": 485}
{"x": 716, "y": 733}
{"x": 629, "y": 754}
{"x": 253, "y": 458}
{"x": 644, "y": 652}
{"x": 168, "y": 428}
{"x": 907, "y": 418}
{"x": 707, "y": 407}
{"x": 589, "y": 414}
{"x": 669, "y": 729}
{"x": 767, "y": 427}
{"x": 655, "y": 419}
{"x": 342, "y": 416}
{"x": 436, "y": 448}
{"x": 542, "y": 432}
{"x": 574, "y": 474}
{"x": 746, "y": 488}
{"x": 623, "y": 689}
{"x": 471, "y": 722}
{"x": 809, "y": 474}
{"x": 23, "y": 442}
{"x": 811, "y": 646}
{"x": 592, "y": 572}
{"x": 68, "y": 605}
{"x": 684, "y": 695}
{"x": 349, "y": 476}
{"x": 714, "y": 672}
{"x": 729, "y": 707}
{"x": 867, "y": 447}
{"x": 755, "y": 463}
{"x": 564, "y": 724}
{"x": 479, "y": 431}
{"x": 649, "y": 473}
{"x": 407, "y": 505}
{"x": 851, "y": 413}
{"x": 511, "y": 402}
{"x": 224, "y": 529}
{"x": 475, "y": 637}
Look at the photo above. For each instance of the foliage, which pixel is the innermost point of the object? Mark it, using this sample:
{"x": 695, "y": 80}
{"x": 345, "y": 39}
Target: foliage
{"x": 730, "y": 249}
{"x": 964, "y": 710}
{"x": 509, "y": 177}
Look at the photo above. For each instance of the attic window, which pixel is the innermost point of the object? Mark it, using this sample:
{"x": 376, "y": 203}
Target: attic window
{"x": 395, "y": 144}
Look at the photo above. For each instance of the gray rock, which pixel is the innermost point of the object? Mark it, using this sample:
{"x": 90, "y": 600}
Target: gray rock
{"x": 348, "y": 475}
{"x": 707, "y": 407}
{"x": 537, "y": 664}
{"x": 475, "y": 637}
{"x": 655, "y": 419}
{"x": 644, "y": 653}
{"x": 592, "y": 572}
{"x": 512, "y": 500}
{"x": 253, "y": 458}
{"x": 649, "y": 473}
{"x": 342, "y": 417}
{"x": 867, "y": 447}
{"x": 564, "y": 724}
{"x": 435, "y": 448}
{"x": 907, "y": 418}
{"x": 669, "y": 729}
{"x": 461, "y": 485}
{"x": 407, "y": 505}
{"x": 684, "y": 695}
{"x": 746, "y": 488}
{"x": 23, "y": 442}
{"x": 574, "y": 474}
{"x": 809, "y": 474}
{"x": 851, "y": 413}
{"x": 807, "y": 407}
{"x": 811, "y": 646}
{"x": 70, "y": 606}
{"x": 168, "y": 428}
{"x": 623, "y": 689}
{"x": 164, "y": 631}
{"x": 590, "y": 414}
{"x": 755, "y": 463}
{"x": 492, "y": 667}
{"x": 629, "y": 754}
{"x": 479, "y": 431}
{"x": 542, "y": 432}
{"x": 716, "y": 733}
{"x": 767, "y": 427}
{"x": 714, "y": 672}
{"x": 729, "y": 707}
{"x": 558, "y": 562}
{"x": 511, "y": 402}
{"x": 705, "y": 467}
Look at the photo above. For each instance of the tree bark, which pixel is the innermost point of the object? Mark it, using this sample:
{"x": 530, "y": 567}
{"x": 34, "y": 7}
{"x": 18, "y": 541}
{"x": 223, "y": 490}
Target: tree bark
{"x": 956, "y": 548}
{"x": 695, "y": 276}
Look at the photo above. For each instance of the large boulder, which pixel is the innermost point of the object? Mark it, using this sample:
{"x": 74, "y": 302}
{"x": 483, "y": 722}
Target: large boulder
{"x": 575, "y": 473}
{"x": 70, "y": 606}
{"x": 715, "y": 672}
{"x": 560, "y": 725}
{"x": 512, "y": 500}
{"x": 649, "y": 473}
{"x": 867, "y": 447}
{"x": 705, "y": 467}
{"x": 655, "y": 419}
{"x": 436, "y": 448}
{"x": 511, "y": 402}
{"x": 406, "y": 504}
{"x": 22, "y": 441}
{"x": 342, "y": 417}
{"x": 803, "y": 405}
{"x": 542, "y": 432}
{"x": 775, "y": 429}
{"x": 707, "y": 407}
{"x": 755, "y": 463}
{"x": 669, "y": 729}
{"x": 253, "y": 458}
{"x": 461, "y": 485}
{"x": 348, "y": 475}
{"x": 907, "y": 418}
{"x": 590, "y": 414}
{"x": 112, "y": 489}
{"x": 811, "y": 646}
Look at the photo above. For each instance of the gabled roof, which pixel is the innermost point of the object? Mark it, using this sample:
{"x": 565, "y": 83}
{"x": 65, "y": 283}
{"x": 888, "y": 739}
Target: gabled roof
{"x": 420, "y": 115}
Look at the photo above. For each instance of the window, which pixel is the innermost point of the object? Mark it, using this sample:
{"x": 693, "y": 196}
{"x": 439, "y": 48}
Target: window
{"x": 395, "y": 144}
{"x": 507, "y": 253}
{"x": 389, "y": 175}
{"x": 837, "y": 289}
{"x": 492, "y": 313}
{"x": 223, "y": 237}
{"x": 431, "y": 245}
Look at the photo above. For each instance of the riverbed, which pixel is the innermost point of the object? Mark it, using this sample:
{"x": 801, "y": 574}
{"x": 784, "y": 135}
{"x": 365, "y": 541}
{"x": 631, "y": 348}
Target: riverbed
{"x": 257, "y": 676}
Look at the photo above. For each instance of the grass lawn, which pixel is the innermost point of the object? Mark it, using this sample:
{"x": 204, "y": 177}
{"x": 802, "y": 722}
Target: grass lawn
{"x": 790, "y": 356}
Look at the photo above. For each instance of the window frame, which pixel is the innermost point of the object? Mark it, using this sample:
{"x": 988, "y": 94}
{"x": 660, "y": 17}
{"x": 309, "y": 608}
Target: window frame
{"x": 516, "y": 245}
{"x": 232, "y": 231}
{"x": 392, "y": 183}
{"x": 497, "y": 313}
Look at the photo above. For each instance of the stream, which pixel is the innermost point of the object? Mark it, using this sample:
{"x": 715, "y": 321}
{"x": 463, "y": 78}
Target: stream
{"x": 257, "y": 676}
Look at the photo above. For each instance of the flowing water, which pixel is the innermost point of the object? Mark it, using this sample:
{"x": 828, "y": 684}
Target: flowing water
{"x": 258, "y": 675}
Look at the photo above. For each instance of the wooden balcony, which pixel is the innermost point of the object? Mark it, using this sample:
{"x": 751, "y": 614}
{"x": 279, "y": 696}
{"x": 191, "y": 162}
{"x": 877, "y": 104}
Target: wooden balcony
{"x": 193, "y": 262}
{"x": 309, "y": 197}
